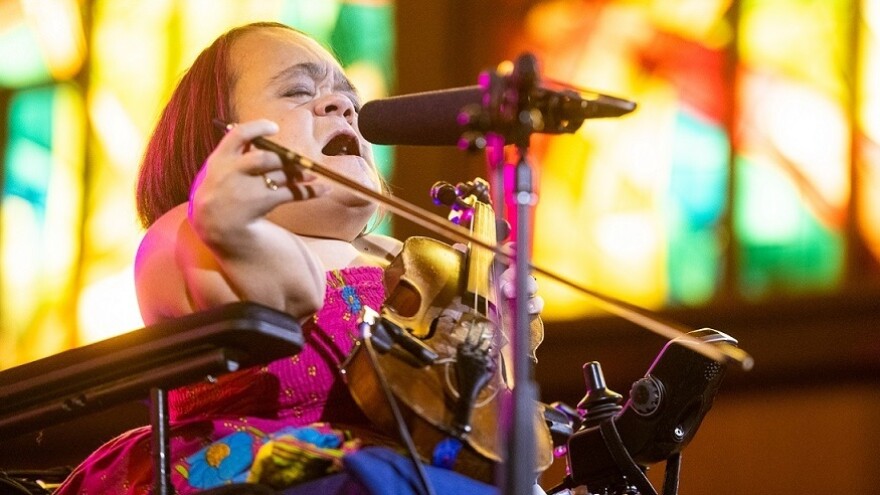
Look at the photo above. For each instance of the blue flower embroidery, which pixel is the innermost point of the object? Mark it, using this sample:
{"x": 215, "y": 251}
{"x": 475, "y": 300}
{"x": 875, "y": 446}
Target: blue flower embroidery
{"x": 325, "y": 439}
{"x": 224, "y": 461}
{"x": 352, "y": 300}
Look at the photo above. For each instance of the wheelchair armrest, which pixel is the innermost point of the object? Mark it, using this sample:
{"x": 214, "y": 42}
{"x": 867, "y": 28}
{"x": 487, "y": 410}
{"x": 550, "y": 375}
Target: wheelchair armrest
{"x": 165, "y": 355}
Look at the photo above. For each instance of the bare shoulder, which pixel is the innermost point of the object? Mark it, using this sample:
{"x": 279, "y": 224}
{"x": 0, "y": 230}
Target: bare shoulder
{"x": 158, "y": 280}
{"x": 160, "y": 238}
{"x": 378, "y": 246}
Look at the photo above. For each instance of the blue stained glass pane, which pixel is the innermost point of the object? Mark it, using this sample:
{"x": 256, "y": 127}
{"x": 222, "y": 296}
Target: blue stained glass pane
{"x": 29, "y": 154}
{"x": 697, "y": 199}
{"x": 699, "y": 175}
{"x": 30, "y": 115}
{"x": 27, "y": 173}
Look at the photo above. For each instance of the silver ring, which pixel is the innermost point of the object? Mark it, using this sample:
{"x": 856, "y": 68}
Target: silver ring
{"x": 271, "y": 184}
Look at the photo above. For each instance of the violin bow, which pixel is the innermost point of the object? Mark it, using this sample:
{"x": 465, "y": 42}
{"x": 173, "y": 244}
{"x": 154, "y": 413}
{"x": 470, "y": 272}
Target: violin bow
{"x": 719, "y": 352}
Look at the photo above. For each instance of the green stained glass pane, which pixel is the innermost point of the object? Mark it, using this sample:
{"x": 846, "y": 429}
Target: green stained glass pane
{"x": 694, "y": 265}
{"x": 315, "y": 18}
{"x": 366, "y": 32}
{"x": 782, "y": 246}
{"x": 21, "y": 60}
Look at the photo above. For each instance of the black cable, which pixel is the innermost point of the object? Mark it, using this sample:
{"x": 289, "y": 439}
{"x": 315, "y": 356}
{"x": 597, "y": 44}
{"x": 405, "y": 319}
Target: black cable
{"x": 624, "y": 461}
{"x": 398, "y": 417}
{"x": 673, "y": 469}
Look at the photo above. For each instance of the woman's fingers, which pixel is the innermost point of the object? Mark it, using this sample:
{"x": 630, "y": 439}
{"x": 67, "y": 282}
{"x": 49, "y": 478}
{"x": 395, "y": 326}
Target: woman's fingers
{"x": 238, "y": 138}
{"x": 508, "y": 286}
{"x": 536, "y": 305}
{"x": 281, "y": 183}
{"x": 285, "y": 183}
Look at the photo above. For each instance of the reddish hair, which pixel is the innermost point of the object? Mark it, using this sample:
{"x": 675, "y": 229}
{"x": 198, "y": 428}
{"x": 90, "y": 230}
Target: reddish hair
{"x": 185, "y": 134}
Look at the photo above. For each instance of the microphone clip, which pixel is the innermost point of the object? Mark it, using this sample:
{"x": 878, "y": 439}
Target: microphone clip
{"x": 506, "y": 108}
{"x": 515, "y": 105}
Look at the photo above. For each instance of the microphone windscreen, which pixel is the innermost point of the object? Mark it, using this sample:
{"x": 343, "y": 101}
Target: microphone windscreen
{"x": 420, "y": 119}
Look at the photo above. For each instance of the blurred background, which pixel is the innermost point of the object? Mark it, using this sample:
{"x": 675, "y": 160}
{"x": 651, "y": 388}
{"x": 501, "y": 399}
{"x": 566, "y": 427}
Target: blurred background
{"x": 743, "y": 194}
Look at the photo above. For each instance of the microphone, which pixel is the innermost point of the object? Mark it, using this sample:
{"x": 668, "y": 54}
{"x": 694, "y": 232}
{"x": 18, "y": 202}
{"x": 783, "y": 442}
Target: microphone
{"x": 432, "y": 118}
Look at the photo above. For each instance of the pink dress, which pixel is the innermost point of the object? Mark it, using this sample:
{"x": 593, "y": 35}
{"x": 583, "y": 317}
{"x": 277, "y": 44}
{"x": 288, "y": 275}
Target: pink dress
{"x": 292, "y": 392}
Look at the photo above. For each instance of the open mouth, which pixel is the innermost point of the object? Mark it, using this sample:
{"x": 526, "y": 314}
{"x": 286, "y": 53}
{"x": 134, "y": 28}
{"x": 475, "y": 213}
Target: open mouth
{"x": 342, "y": 144}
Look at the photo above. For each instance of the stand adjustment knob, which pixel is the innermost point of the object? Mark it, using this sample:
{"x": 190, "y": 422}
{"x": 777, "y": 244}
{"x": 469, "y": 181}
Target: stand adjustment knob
{"x": 646, "y": 395}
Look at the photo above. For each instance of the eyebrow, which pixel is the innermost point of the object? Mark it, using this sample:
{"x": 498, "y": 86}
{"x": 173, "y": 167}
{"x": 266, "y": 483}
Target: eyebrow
{"x": 317, "y": 72}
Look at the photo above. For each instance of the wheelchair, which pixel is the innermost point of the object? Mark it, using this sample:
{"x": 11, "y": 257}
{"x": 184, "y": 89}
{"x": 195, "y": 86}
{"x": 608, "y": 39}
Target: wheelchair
{"x": 55, "y": 411}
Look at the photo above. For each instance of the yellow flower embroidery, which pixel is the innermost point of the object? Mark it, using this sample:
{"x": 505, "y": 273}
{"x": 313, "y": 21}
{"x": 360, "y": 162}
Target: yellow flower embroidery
{"x": 216, "y": 453}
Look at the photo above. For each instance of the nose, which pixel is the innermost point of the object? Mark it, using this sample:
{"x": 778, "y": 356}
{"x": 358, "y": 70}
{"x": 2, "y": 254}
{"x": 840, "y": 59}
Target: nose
{"x": 336, "y": 104}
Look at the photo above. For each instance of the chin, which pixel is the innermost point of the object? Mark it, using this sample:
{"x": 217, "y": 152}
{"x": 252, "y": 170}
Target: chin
{"x": 353, "y": 201}
{"x": 356, "y": 169}
{"x": 335, "y": 216}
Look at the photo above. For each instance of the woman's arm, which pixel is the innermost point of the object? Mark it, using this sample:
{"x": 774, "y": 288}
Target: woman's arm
{"x": 220, "y": 248}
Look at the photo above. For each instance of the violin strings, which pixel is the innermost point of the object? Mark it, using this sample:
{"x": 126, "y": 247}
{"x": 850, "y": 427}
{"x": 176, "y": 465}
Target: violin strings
{"x": 471, "y": 255}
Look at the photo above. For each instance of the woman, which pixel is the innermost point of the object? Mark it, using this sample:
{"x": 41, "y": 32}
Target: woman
{"x": 226, "y": 223}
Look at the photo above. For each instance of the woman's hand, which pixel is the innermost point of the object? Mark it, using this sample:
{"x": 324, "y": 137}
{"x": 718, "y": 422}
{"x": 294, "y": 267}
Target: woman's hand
{"x": 239, "y": 184}
{"x": 535, "y": 304}
{"x": 507, "y": 286}
{"x": 249, "y": 257}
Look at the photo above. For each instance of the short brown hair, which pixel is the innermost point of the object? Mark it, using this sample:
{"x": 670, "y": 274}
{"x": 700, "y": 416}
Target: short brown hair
{"x": 185, "y": 134}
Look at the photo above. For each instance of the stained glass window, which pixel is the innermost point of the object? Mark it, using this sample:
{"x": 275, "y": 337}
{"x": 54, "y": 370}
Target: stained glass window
{"x": 793, "y": 137}
{"x": 635, "y": 206}
{"x": 740, "y": 174}
{"x": 71, "y": 90}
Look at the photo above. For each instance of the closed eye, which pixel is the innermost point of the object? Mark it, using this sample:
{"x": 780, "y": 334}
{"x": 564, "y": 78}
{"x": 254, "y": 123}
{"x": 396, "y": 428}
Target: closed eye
{"x": 298, "y": 93}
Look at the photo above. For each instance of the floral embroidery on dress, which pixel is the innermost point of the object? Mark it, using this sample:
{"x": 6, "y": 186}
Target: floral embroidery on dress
{"x": 295, "y": 455}
{"x": 284, "y": 458}
{"x": 225, "y": 461}
{"x": 352, "y": 300}
{"x": 348, "y": 293}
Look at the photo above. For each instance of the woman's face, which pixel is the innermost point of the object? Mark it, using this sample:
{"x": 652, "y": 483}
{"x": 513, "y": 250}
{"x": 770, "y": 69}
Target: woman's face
{"x": 285, "y": 77}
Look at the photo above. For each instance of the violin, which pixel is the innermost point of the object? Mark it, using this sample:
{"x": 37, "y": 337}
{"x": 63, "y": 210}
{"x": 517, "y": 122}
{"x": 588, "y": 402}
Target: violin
{"x": 473, "y": 426}
{"x": 447, "y": 372}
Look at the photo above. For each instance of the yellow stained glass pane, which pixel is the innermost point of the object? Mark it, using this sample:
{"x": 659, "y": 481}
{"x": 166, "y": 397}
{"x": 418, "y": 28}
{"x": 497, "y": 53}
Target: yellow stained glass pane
{"x": 41, "y": 218}
{"x": 868, "y": 121}
{"x": 59, "y": 31}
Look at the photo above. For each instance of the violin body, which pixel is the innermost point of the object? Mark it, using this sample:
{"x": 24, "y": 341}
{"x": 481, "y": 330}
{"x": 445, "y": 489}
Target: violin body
{"x": 425, "y": 288}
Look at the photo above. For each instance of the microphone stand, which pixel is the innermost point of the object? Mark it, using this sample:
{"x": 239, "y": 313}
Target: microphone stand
{"x": 505, "y": 117}
{"x": 519, "y": 469}
{"x": 520, "y": 466}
